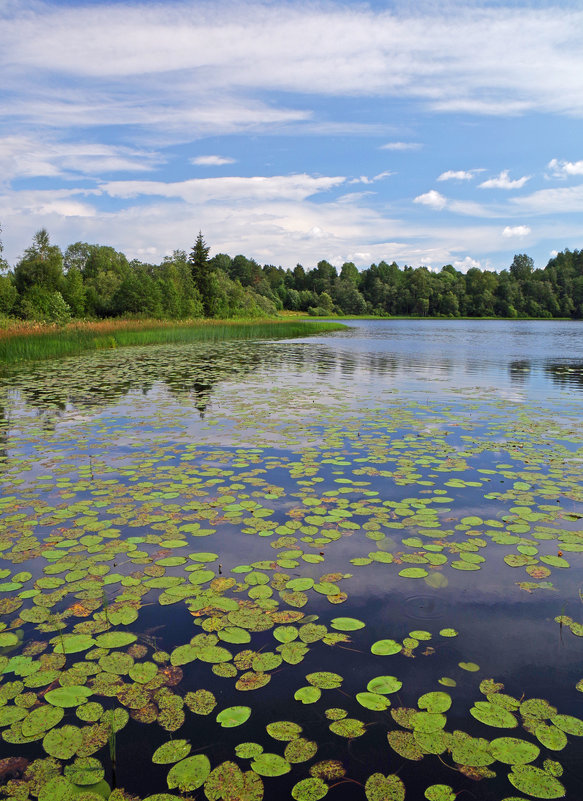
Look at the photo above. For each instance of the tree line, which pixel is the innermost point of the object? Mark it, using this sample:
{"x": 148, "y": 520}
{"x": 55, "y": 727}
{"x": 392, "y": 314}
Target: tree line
{"x": 96, "y": 281}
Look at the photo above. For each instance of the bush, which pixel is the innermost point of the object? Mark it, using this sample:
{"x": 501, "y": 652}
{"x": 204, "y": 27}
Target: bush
{"x": 44, "y": 306}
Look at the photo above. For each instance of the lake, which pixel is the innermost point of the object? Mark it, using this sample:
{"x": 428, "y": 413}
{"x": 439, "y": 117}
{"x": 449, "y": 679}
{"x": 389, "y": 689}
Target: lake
{"x": 347, "y": 566}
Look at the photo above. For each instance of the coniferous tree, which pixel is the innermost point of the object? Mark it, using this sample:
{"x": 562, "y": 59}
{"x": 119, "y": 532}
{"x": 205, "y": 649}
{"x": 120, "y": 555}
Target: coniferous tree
{"x": 202, "y": 271}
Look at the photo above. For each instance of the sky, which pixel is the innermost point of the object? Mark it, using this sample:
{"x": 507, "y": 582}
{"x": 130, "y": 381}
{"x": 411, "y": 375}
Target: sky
{"x": 424, "y": 133}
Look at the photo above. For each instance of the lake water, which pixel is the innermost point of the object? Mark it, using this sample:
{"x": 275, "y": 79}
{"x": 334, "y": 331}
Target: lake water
{"x": 250, "y": 519}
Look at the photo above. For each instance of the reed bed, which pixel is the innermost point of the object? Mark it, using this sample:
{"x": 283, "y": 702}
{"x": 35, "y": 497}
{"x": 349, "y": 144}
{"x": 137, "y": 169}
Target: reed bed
{"x": 24, "y": 341}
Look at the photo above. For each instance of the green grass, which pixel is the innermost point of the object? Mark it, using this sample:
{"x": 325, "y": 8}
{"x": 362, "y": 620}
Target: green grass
{"x": 77, "y": 338}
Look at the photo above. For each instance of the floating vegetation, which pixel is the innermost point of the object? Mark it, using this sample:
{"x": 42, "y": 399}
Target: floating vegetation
{"x": 267, "y": 588}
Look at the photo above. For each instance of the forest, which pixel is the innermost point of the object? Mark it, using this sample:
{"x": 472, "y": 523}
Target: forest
{"x": 90, "y": 281}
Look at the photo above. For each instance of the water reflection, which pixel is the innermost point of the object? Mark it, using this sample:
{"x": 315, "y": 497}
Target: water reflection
{"x": 371, "y": 356}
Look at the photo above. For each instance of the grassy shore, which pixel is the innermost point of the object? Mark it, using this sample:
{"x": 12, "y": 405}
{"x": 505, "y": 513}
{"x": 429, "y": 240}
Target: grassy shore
{"x": 30, "y": 341}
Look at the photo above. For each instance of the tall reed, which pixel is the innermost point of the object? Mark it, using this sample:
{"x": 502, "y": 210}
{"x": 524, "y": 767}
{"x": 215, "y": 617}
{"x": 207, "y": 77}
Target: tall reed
{"x": 27, "y": 342}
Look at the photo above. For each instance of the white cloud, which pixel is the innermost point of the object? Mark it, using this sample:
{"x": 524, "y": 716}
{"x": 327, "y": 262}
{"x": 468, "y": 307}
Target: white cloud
{"x": 365, "y": 180}
{"x": 211, "y": 161}
{"x": 233, "y": 188}
{"x": 565, "y": 200}
{"x": 32, "y": 157}
{"x": 457, "y": 175}
{"x": 564, "y": 169}
{"x": 401, "y": 146}
{"x": 503, "y": 181}
{"x": 184, "y": 67}
{"x": 467, "y": 263}
{"x": 515, "y": 230}
{"x": 433, "y": 199}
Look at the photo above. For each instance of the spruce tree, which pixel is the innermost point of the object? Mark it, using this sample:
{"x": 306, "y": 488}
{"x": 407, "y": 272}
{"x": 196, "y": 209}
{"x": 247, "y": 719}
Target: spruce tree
{"x": 201, "y": 271}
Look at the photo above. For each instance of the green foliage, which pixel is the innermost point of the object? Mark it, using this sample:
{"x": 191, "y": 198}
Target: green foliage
{"x": 98, "y": 281}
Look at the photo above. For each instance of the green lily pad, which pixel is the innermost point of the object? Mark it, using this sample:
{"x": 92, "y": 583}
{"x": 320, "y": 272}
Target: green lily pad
{"x": 551, "y": 737}
{"x": 374, "y": 701}
{"x": 312, "y": 789}
{"x": 347, "y": 624}
{"x": 413, "y": 572}
{"x": 386, "y": 647}
{"x": 439, "y": 792}
{"x": 348, "y": 727}
{"x": 384, "y": 788}
{"x": 41, "y": 720}
{"x": 233, "y": 716}
{"x": 535, "y": 782}
{"x": 85, "y": 771}
{"x": 384, "y": 685}
{"x": 324, "y": 680}
{"x": 567, "y": 723}
{"x": 172, "y": 751}
{"x": 68, "y": 696}
{"x": 283, "y": 730}
{"x": 300, "y": 750}
{"x": 73, "y": 643}
{"x": 308, "y": 695}
{"x": 114, "y": 639}
{"x": 201, "y": 702}
{"x": 248, "y": 750}
{"x": 270, "y": 765}
{"x": 434, "y": 702}
{"x": 493, "y": 715}
{"x": 513, "y": 751}
{"x": 189, "y": 773}
{"x": 63, "y": 742}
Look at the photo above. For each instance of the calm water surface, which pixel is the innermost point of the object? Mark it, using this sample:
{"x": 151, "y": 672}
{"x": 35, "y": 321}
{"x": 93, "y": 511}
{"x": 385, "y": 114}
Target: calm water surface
{"x": 450, "y": 450}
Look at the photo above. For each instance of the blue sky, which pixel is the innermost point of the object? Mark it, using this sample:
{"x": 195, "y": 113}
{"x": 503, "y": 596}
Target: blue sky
{"x": 294, "y": 132}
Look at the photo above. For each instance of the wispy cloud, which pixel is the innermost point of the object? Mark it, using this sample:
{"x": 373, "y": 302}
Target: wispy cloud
{"x": 191, "y": 61}
{"x": 433, "y": 199}
{"x": 33, "y": 157}
{"x": 363, "y": 179}
{"x": 503, "y": 181}
{"x": 401, "y": 146}
{"x": 211, "y": 161}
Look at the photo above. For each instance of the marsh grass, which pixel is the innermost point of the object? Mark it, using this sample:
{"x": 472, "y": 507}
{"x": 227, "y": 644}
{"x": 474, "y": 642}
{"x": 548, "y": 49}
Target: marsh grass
{"x": 27, "y": 342}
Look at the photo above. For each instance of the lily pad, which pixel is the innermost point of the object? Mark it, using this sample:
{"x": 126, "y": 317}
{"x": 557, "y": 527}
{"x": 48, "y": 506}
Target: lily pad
{"x": 172, "y": 751}
{"x": 233, "y": 716}
{"x": 189, "y": 773}
{"x": 535, "y": 782}
{"x": 513, "y": 751}
{"x": 384, "y": 788}
{"x": 270, "y": 765}
{"x": 312, "y": 789}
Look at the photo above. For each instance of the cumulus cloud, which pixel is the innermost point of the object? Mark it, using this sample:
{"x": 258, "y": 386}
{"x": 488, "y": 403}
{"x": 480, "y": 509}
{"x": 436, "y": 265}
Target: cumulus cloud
{"x": 515, "y": 230}
{"x": 503, "y": 181}
{"x": 211, "y": 161}
{"x": 467, "y": 263}
{"x": 564, "y": 169}
{"x": 433, "y": 199}
{"x": 457, "y": 175}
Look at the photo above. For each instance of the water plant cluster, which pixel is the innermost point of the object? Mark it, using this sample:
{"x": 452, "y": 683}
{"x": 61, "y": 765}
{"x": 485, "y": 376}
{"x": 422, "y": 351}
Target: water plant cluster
{"x": 202, "y": 598}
